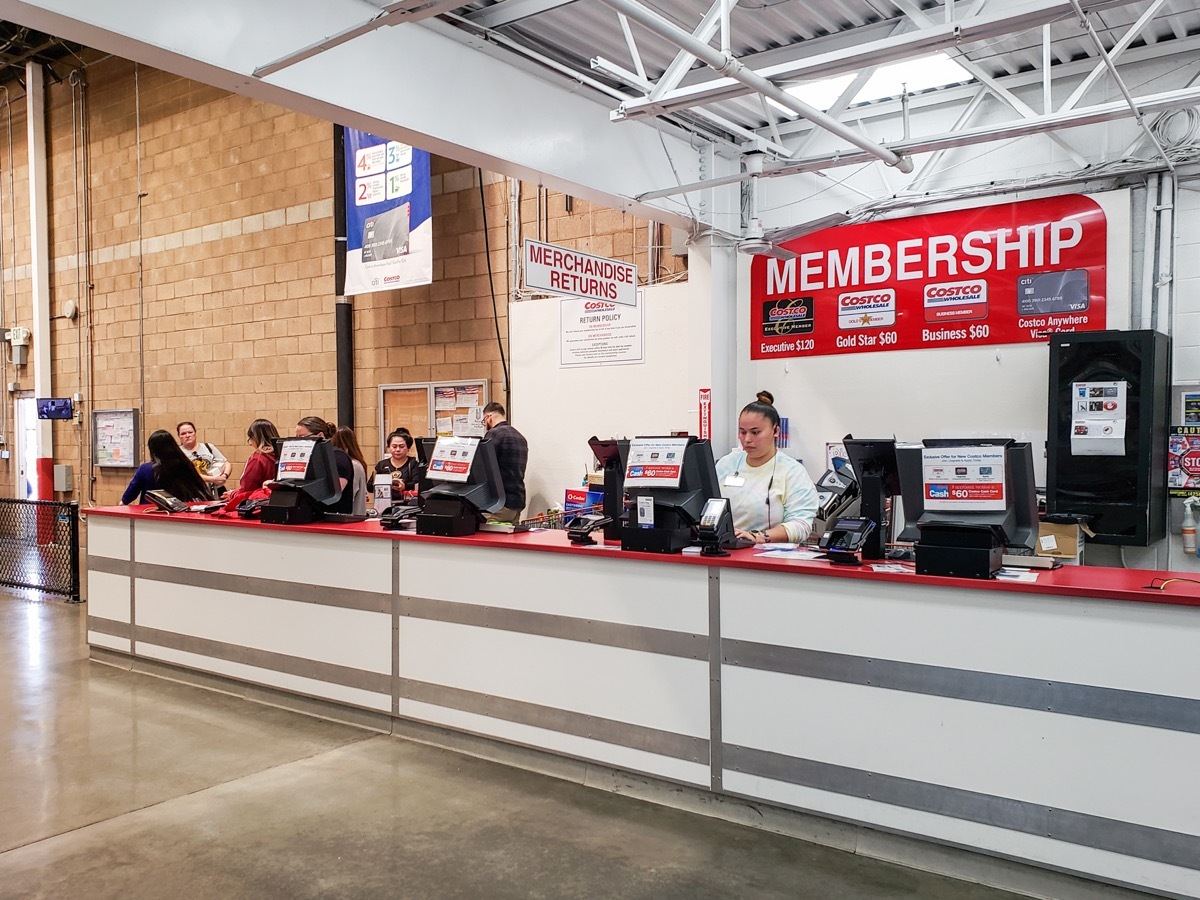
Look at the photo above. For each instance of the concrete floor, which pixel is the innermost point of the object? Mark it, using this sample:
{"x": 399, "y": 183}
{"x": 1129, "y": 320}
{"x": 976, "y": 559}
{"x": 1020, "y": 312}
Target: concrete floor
{"x": 115, "y": 784}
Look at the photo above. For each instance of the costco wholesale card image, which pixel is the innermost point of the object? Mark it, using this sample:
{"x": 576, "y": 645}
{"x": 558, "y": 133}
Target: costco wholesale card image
{"x": 1002, "y": 274}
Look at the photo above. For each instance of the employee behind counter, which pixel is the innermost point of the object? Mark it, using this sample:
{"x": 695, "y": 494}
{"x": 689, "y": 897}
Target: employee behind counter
{"x": 770, "y": 495}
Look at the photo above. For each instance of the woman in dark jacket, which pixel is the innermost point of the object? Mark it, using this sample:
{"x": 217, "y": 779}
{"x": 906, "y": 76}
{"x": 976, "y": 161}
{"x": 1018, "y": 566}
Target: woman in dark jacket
{"x": 168, "y": 470}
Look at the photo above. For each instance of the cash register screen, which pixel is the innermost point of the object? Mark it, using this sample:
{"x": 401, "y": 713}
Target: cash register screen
{"x": 655, "y": 463}
{"x": 964, "y": 479}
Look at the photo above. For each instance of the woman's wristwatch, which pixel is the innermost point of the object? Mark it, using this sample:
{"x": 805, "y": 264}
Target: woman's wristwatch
{"x": 756, "y": 534}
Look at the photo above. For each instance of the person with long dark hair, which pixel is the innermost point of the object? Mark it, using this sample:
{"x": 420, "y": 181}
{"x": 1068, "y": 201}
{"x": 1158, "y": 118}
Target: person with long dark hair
{"x": 315, "y": 426}
{"x": 399, "y": 465}
{"x": 261, "y": 465}
{"x": 345, "y": 439}
{"x": 169, "y": 470}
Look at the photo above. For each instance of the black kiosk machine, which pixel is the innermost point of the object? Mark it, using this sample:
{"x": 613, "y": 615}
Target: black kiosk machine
{"x": 306, "y": 481}
{"x": 669, "y": 480}
{"x": 467, "y": 484}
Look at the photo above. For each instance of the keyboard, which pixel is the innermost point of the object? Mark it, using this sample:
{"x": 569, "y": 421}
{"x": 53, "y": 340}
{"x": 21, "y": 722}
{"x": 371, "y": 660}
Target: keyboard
{"x": 737, "y": 543}
{"x": 342, "y": 518}
{"x": 1030, "y": 562}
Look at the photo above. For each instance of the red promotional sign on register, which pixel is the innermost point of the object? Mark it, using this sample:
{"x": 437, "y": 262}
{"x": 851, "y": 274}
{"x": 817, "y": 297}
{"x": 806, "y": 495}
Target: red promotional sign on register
{"x": 1004, "y": 274}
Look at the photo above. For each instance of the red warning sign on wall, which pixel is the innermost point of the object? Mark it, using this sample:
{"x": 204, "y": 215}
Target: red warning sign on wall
{"x": 1004, "y": 274}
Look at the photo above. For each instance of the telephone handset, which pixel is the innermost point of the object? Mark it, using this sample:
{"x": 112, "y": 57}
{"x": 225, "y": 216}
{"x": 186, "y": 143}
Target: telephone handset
{"x": 168, "y": 502}
{"x": 846, "y": 537}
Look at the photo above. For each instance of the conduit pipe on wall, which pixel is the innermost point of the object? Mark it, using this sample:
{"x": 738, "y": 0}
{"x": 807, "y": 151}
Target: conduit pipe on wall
{"x": 12, "y": 271}
{"x": 729, "y": 66}
{"x": 1149, "y": 255}
{"x": 39, "y": 257}
{"x": 343, "y": 318}
{"x": 514, "y": 239}
{"x": 1164, "y": 282}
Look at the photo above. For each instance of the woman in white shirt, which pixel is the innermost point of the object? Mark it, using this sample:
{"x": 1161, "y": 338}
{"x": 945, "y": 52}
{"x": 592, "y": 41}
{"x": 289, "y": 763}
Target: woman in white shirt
{"x": 770, "y": 494}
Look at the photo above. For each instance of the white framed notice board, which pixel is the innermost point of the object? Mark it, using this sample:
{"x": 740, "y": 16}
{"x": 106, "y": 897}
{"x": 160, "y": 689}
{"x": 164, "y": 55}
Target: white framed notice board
{"x": 115, "y": 438}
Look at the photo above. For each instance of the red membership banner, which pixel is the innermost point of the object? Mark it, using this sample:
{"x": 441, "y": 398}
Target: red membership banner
{"x": 1005, "y": 274}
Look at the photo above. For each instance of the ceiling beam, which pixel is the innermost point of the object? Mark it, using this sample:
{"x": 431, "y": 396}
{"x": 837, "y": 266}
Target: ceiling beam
{"x": 481, "y": 109}
{"x": 963, "y": 137}
{"x": 679, "y": 66}
{"x": 1181, "y": 48}
{"x": 984, "y": 134}
{"x": 1023, "y": 109}
{"x": 506, "y": 12}
{"x": 392, "y": 14}
{"x": 1015, "y": 18}
{"x": 724, "y": 62}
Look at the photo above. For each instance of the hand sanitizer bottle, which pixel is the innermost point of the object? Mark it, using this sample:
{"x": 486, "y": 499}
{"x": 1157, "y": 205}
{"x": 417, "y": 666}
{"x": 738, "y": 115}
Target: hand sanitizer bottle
{"x": 1188, "y": 529}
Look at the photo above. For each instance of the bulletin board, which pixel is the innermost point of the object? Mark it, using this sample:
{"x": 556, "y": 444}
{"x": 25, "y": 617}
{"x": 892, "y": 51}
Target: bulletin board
{"x": 429, "y": 408}
{"x": 115, "y": 438}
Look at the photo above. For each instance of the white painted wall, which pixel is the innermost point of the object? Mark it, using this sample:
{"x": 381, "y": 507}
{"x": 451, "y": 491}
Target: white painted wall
{"x": 1186, "y": 326}
{"x": 558, "y": 409}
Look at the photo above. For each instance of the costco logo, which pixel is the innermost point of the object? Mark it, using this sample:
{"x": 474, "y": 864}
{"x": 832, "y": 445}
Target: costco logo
{"x": 867, "y": 309}
{"x": 956, "y": 301}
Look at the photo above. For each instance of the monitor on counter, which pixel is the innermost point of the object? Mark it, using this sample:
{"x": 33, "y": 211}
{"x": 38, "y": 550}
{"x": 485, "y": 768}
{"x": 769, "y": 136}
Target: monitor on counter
{"x": 306, "y": 481}
{"x": 668, "y": 480}
{"x": 465, "y": 467}
{"x": 970, "y": 482}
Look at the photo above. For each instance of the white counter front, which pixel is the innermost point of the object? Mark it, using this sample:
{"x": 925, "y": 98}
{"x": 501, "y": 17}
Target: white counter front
{"x": 1056, "y": 723}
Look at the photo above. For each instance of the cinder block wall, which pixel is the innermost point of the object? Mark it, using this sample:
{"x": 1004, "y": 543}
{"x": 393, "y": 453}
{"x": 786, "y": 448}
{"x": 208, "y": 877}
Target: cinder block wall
{"x": 208, "y": 219}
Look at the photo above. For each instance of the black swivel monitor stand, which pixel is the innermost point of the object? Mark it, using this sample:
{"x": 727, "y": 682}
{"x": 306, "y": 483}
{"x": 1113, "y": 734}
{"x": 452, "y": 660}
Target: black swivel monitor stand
{"x": 874, "y": 463}
{"x": 612, "y": 456}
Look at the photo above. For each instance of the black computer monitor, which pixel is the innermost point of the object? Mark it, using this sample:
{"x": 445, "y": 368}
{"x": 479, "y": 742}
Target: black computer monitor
{"x": 875, "y": 465}
{"x": 306, "y": 481}
{"x": 912, "y": 486}
{"x": 424, "y": 447}
{"x": 55, "y": 408}
{"x": 613, "y": 456}
{"x": 677, "y": 507}
{"x": 483, "y": 487}
{"x": 1016, "y": 525}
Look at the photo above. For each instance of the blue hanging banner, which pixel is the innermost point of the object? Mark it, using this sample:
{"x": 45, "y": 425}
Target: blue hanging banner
{"x": 389, "y": 219}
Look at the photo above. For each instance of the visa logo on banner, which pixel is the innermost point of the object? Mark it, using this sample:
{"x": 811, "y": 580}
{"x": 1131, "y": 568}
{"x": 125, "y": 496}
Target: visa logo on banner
{"x": 1000, "y": 274}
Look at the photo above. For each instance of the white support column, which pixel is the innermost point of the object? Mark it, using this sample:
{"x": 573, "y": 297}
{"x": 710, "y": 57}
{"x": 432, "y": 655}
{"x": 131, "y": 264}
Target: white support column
{"x": 713, "y": 277}
{"x": 39, "y": 259}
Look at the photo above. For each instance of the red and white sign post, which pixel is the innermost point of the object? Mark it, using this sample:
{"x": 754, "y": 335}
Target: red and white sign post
{"x": 705, "y": 414}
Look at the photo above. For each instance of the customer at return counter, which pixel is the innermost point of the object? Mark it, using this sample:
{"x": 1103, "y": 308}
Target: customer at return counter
{"x": 210, "y": 462}
{"x": 315, "y": 426}
{"x": 262, "y": 465}
{"x": 399, "y": 464}
{"x": 512, "y": 453}
{"x": 345, "y": 439}
{"x": 168, "y": 470}
{"x": 770, "y": 494}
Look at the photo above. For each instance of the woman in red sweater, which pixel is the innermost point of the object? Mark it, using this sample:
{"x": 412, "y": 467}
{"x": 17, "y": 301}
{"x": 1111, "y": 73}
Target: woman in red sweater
{"x": 261, "y": 465}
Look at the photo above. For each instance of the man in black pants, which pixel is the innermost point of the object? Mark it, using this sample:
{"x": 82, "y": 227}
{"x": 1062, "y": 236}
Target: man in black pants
{"x": 512, "y": 453}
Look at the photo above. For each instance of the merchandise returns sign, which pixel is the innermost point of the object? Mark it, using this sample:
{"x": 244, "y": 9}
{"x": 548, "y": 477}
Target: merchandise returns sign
{"x": 562, "y": 271}
{"x": 1005, "y": 274}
